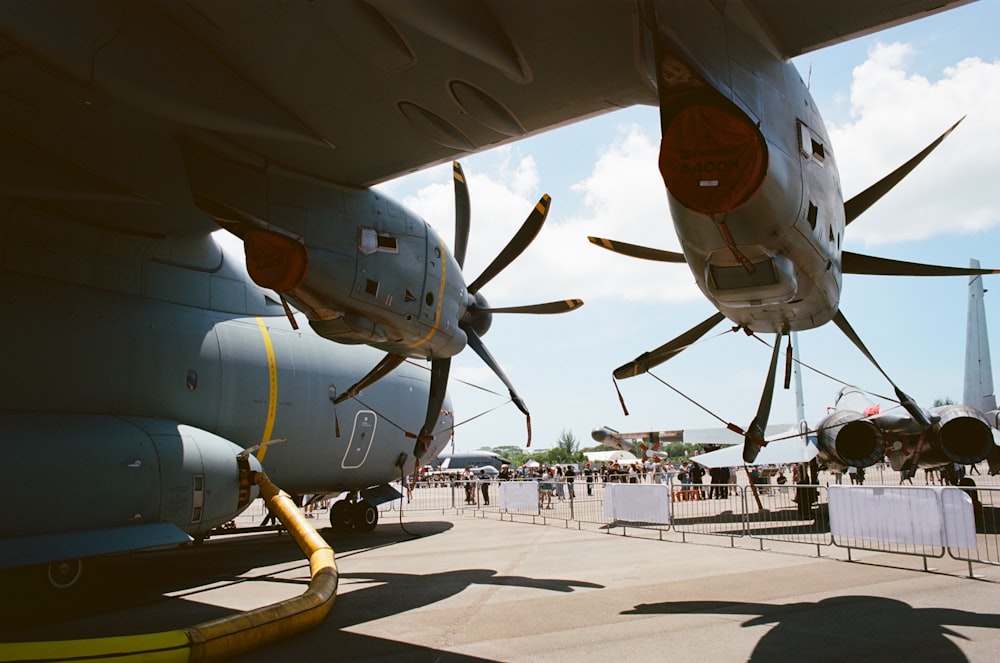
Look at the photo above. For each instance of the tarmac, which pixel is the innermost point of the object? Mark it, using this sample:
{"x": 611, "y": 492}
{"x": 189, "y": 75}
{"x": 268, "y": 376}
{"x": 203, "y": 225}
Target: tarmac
{"x": 465, "y": 588}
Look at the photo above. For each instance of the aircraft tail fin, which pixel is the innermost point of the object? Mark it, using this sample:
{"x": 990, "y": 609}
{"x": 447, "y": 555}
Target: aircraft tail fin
{"x": 978, "y": 368}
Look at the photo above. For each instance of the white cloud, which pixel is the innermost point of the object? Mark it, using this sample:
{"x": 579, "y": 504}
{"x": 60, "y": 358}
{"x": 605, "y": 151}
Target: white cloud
{"x": 622, "y": 198}
{"x": 896, "y": 113}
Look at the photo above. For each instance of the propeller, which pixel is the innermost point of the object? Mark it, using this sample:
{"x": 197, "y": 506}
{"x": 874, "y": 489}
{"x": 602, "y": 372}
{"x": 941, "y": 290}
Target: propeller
{"x": 478, "y": 315}
{"x": 857, "y": 205}
{"x": 753, "y": 439}
{"x": 851, "y": 263}
{"x": 636, "y": 251}
{"x": 906, "y": 401}
{"x": 653, "y": 358}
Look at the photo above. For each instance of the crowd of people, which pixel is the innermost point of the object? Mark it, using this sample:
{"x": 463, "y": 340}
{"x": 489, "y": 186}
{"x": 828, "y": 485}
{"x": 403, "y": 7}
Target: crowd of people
{"x": 559, "y": 481}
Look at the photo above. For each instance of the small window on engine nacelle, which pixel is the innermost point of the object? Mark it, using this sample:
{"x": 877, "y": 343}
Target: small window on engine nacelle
{"x": 370, "y": 241}
{"x": 811, "y": 145}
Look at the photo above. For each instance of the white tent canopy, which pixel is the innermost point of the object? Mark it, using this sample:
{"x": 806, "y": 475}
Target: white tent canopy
{"x": 622, "y": 457}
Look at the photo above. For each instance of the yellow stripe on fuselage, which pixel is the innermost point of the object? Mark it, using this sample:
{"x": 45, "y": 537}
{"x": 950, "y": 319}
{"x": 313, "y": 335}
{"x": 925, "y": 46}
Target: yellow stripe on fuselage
{"x": 272, "y": 397}
{"x": 440, "y": 299}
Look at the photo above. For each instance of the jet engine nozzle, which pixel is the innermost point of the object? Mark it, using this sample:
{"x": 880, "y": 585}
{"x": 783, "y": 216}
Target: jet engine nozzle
{"x": 850, "y": 440}
{"x": 964, "y": 436}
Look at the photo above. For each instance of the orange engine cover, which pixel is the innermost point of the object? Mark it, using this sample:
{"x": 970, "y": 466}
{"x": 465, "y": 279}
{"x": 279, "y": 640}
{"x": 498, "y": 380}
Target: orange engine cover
{"x": 713, "y": 158}
{"x": 275, "y": 261}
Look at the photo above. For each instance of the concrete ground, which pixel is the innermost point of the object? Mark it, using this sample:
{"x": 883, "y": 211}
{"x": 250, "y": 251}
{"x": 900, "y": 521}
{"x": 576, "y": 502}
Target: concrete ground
{"x": 461, "y": 588}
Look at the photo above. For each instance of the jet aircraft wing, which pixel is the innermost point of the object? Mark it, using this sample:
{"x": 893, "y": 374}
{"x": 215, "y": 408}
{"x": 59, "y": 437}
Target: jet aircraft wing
{"x": 106, "y": 110}
{"x": 782, "y": 451}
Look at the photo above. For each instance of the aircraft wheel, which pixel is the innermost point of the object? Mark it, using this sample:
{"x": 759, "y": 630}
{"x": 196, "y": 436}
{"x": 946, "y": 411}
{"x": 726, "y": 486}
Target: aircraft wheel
{"x": 365, "y": 516}
{"x": 63, "y": 575}
{"x": 340, "y": 516}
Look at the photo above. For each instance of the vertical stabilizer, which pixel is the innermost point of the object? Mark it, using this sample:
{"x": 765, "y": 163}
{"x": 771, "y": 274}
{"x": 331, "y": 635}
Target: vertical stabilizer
{"x": 978, "y": 369}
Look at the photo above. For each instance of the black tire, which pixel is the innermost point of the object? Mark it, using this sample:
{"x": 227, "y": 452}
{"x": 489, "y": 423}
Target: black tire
{"x": 64, "y": 574}
{"x": 341, "y": 517}
{"x": 365, "y": 516}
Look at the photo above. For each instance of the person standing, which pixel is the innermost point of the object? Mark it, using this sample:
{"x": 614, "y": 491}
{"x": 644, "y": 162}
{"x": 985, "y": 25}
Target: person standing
{"x": 570, "y": 478}
{"x": 588, "y": 476}
{"x": 484, "y": 487}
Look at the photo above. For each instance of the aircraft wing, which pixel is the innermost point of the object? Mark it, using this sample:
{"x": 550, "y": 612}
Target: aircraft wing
{"x": 102, "y": 104}
{"x": 612, "y": 438}
{"x": 779, "y": 452}
{"x": 106, "y": 107}
{"x": 797, "y": 27}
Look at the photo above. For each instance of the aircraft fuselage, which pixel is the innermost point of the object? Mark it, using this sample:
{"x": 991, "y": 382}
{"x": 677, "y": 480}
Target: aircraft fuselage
{"x": 238, "y": 371}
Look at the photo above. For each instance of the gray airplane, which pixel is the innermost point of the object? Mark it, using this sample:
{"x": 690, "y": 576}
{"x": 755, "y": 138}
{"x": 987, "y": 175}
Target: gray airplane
{"x": 126, "y": 421}
{"x": 129, "y": 132}
{"x": 858, "y": 432}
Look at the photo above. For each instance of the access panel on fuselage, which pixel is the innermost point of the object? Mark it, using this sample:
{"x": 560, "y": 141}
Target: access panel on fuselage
{"x": 362, "y": 434}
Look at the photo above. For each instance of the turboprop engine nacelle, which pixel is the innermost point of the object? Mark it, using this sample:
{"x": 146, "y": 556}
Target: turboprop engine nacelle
{"x": 386, "y": 291}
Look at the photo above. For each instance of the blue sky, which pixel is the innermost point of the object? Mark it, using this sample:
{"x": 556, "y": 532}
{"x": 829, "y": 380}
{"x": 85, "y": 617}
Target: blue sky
{"x": 883, "y": 98}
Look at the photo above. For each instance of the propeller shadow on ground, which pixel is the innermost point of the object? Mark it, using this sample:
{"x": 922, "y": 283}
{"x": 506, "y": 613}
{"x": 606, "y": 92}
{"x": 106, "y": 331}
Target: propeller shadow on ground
{"x": 843, "y": 628}
{"x": 389, "y": 594}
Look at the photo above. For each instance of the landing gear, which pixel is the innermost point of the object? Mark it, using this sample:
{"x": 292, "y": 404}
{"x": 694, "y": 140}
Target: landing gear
{"x": 361, "y": 515}
{"x": 65, "y": 574}
{"x": 340, "y": 516}
{"x": 365, "y": 516}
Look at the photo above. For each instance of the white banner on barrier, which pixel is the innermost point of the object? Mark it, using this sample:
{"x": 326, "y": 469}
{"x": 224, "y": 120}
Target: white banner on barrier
{"x": 637, "y": 503}
{"x": 519, "y": 495}
{"x": 934, "y": 516}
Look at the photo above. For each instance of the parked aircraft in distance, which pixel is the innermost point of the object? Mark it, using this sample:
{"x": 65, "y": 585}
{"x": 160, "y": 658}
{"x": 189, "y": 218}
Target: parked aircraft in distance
{"x": 787, "y": 443}
{"x": 142, "y": 357}
{"x": 858, "y": 432}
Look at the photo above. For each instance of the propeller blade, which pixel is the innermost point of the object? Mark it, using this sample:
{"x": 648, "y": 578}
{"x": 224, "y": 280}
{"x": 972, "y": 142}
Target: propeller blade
{"x": 383, "y": 368}
{"x": 636, "y": 251}
{"x": 476, "y": 344}
{"x": 857, "y": 205}
{"x": 753, "y": 440}
{"x": 516, "y": 245}
{"x": 908, "y": 403}
{"x": 440, "y": 368}
{"x": 463, "y": 213}
{"x": 654, "y": 358}
{"x": 856, "y": 263}
{"x": 561, "y": 306}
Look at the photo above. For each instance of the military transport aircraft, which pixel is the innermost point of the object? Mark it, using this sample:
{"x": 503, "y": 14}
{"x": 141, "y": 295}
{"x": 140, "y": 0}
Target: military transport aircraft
{"x": 130, "y": 131}
{"x": 144, "y": 366}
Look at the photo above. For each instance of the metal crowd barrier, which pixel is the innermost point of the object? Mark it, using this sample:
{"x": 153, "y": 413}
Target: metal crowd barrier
{"x": 799, "y": 514}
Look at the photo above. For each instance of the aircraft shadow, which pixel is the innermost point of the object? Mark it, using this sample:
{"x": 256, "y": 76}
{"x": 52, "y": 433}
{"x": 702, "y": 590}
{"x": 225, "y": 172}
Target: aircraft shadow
{"x": 142, "y": 582}
{"x": 843, "y": 628}
{"x": 129, "y": 581}
{"x": 391, "y": 594}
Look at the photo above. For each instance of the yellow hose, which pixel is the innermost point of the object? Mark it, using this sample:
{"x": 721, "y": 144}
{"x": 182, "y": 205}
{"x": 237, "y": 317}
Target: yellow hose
{"x": 223, "y": 637}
